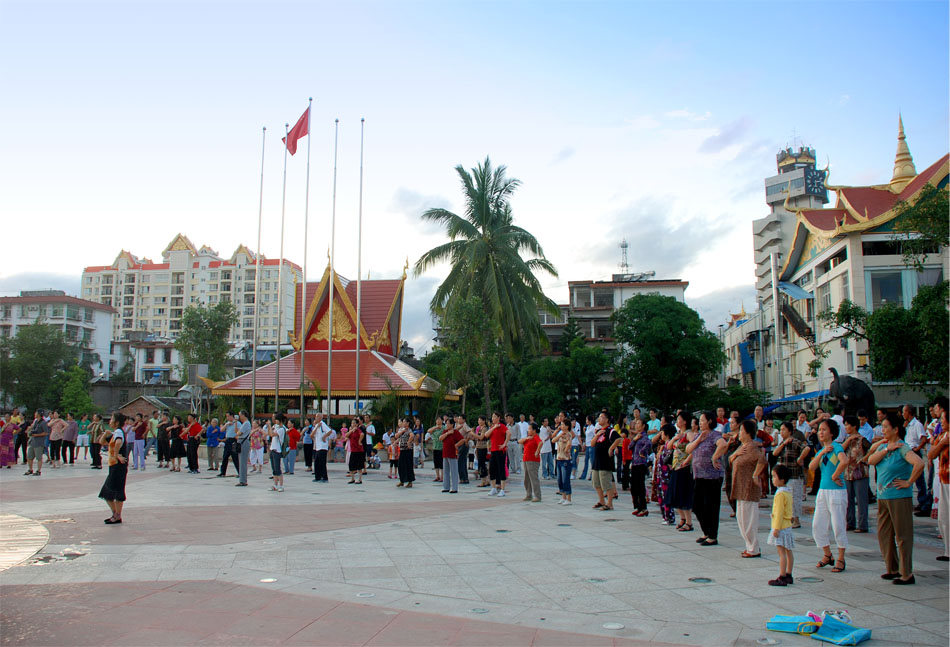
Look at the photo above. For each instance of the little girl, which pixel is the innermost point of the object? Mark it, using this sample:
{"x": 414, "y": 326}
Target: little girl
{"x": 781, "y": 535}
{"x": 257, "y": 449}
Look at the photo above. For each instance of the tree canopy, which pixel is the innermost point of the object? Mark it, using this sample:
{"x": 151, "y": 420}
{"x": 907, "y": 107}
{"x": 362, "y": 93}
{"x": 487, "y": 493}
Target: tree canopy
{"x": 29, "y": 363}
{"x": 204, "y": 336}
{"x": 666, "y": 355}
{"x": 922, "y": 227}
{"x": 486, "y": 253}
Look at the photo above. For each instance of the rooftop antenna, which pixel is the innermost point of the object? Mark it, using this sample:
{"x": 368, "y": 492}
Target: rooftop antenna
{"x": 624, "y": 265}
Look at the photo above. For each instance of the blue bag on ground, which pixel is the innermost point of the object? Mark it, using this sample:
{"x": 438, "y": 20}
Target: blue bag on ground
{"x": 792, "y": 624}
{"x": 837, "y": 632}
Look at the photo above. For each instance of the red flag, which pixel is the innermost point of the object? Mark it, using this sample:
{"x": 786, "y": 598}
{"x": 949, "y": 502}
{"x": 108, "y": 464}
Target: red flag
{"x": 301, "y": 129}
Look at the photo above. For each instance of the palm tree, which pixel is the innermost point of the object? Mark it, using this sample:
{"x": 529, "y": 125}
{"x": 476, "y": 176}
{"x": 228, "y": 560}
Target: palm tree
{"x": 485, "y": 253}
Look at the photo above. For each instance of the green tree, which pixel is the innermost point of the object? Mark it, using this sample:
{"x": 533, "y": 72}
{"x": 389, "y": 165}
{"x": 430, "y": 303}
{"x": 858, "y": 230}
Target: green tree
{"x": 923, "y": 228}
{"x": 571, "y": 332}
{"x": 666, "y": 355}
{"x": 204, "y": 336}
{"x": 75, "y": 397}
{"x": 586, "y": 390}
{"x": 471, "y": 347}
{"x": 485, "y": 252}
{"x": 911, "y": 345}
{"x": 733, "y": 398}
{"x": 541, "y": 391}
{"x": 29, "y": 363}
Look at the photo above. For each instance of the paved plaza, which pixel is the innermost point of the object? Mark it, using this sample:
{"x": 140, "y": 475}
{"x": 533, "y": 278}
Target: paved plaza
{"x": 201, "y": 562}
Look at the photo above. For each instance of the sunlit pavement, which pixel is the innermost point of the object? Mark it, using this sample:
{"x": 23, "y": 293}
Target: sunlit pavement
{"x": 198, "y": 561}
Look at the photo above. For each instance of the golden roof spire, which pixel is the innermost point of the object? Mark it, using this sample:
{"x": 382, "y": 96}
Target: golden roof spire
{"x": 904, "y": 169}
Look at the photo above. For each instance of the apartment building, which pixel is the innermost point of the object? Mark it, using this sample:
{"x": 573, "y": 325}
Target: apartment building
{"x": 151, "y": 297}
{"x": 86, "y": 324}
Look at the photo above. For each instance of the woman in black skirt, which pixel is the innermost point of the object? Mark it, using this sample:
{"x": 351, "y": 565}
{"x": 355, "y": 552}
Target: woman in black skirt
{"x": 178, "y": 445}
{"x": 113, "y": 490}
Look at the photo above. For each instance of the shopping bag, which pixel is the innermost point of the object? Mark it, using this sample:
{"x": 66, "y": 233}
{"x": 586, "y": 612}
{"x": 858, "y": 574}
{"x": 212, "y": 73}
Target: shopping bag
{"x": 792, "y": 624}
{"x": 837, "y": 632}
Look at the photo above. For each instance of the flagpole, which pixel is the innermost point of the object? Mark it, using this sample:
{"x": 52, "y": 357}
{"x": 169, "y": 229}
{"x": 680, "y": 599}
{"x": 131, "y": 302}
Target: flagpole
{"x": 336, "y": 133}
{"x": 303, "y": 293}
{"x": 359, "y": 272}
{"x": 280, "y": 274}
{"x": 257, "y": 282}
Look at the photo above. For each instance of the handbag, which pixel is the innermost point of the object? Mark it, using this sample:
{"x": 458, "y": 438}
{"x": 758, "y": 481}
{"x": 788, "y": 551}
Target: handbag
{"x": 792, "y": 624}
{"x": 838, "y": 632}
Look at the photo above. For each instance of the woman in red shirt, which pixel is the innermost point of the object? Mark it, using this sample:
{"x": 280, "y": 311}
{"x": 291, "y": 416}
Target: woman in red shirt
{"x": 354, "y": 438}
{"x": 193, "y": 430}
{"x": 290, "y": 456}
{"x": 531, "y": 447}
{"x": 498, "y": 434}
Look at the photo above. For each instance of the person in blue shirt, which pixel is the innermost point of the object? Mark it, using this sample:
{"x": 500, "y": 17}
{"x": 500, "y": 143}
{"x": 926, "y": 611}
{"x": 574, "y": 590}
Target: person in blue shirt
{"x": 231, "y": 450}
{"x": 831, "y": 504}
{"x": 865, "y": 429}
{"x": 897, "y": 469}
{"x": 213, "y": 438}
{"x": 308, "y": 445}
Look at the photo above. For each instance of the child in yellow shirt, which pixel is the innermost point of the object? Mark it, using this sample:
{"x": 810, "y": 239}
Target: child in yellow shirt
{"x": 781, "y": 536}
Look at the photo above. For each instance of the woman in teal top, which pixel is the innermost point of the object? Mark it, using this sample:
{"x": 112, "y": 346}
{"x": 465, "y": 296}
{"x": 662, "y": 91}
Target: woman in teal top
{"x": 897, "y": 469}
{"x": 831, "y": 504}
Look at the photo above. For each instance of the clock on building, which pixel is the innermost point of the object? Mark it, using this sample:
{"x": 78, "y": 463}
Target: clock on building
{"x": 815, "y": 182}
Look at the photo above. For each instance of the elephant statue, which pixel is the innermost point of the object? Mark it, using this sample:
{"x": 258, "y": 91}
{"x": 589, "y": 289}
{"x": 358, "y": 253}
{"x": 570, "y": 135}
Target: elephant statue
{"x": 851, "y": 393}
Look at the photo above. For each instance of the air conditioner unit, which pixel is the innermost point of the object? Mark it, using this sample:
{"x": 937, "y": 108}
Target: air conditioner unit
{"x": 798, "y": 387}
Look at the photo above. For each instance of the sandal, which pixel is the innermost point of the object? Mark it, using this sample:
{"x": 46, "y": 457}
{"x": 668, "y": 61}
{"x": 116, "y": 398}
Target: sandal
{"x": 598, "y": 506}
{"x": 748, "y": 554}
{"x": 838, "y": 569}
{"x": 826, "y": 560}
{"x": 686, "y": 528}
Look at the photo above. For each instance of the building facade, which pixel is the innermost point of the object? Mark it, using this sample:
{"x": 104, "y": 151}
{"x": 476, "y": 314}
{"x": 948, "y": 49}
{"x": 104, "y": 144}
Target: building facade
{"x": 591, "y": 304}
{"x": 831, "y": 254}
{"x": 151, "y": 297}
{"x": 86, "y": 324}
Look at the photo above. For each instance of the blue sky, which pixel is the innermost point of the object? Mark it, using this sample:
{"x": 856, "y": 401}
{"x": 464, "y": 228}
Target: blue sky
{"x": 127, "y": 122}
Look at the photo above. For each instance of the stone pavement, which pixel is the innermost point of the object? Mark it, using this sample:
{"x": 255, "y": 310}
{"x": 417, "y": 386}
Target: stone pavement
{"x": 199, "y": 561}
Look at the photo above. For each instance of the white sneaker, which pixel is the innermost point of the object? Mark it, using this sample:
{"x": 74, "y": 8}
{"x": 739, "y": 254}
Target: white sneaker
{"x": 501, "y": 493}
{"x": 561, "y": 502}
{"x": 568, "y": 503}
{"x": 493, "y": 492}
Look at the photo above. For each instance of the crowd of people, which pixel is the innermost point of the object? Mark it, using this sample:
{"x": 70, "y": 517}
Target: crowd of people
{"x": 681, "y": 462}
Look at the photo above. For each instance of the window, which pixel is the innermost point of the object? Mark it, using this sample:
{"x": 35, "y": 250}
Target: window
{"x": 87, "y": 292}
{"x": 167, "y": 355}
{"x": 149, "y": 355}
{"x": 88, "y": 280}
{"x": 248, "y": 323}
{"x": 146, "y": 278}
{"x": 824, "y": 297}
{"x": 850, "y": 361}
{"x": 88, "y": 314}
{"x": 603, "y": 298}
{"x": 249, "y": 275}
{"x": 802, "y": 282}
{"x": 845, "y": 286}
{"x": 603, "y": 329}
{"x": 582, "y": 297}
{"x": 56, "y": 311}
{"x": 130, "y": 278}
{"x": 886, "y": 287}
{"x": 930, "y": 277}
{"x": 156, "y": 323}
{"x": 161, "y": 278}
{"x": 832, "y": 262}
{"x": 213, "y": 276}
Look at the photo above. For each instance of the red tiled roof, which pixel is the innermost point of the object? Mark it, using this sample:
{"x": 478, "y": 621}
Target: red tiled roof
{"x": 868, "y": 200}
{"x": 57, "y": 299}
{"x": 379, "y": 374}
{"x": 377, "y": 297}
{"x": 827, "y": 219}
{"x": 927, "y": 175}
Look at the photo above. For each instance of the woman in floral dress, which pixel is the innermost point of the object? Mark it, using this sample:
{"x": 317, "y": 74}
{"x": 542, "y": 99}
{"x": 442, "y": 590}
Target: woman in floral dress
{"x": 662, "y": 471}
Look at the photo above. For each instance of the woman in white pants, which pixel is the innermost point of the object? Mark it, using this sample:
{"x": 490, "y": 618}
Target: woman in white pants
{"x": 831, "y": 505}
{"x": 748, "y": 464}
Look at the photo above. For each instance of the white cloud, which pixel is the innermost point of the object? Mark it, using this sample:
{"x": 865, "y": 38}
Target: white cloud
{"x": 687, "y": 115}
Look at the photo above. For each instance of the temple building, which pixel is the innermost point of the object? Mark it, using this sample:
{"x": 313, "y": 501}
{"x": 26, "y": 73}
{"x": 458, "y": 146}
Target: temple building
{"x": 821, "y": 257}
{"x": 375, "y": 337}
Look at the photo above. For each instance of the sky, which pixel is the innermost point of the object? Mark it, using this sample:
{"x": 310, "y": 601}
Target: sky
{"x": 128, "y": 122}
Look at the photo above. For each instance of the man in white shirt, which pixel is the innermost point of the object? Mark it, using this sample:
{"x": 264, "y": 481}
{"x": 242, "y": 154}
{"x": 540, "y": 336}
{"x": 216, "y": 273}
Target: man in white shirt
{"x": 323, "y": 437}
{"x": 522, "y": 426}
{"x": 514, "y": 448}
{"x": 916, "y": 438}
{"x": 760, "y": 418}
{"x": 838, "y": 416}
{"x": 242, "y": 436}
{"x": 589, "y": 450}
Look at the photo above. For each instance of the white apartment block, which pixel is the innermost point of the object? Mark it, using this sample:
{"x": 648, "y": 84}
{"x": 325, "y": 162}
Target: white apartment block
{"x": 86, "y": 324}
{"x": 151, "y": 297}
